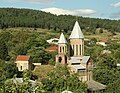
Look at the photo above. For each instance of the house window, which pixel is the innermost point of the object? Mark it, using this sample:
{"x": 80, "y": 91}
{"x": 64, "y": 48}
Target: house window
{"x": 20, "y": 67}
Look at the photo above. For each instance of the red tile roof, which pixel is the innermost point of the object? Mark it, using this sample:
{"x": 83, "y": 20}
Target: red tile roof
{"x": 103, "y": 40}
{"x": 52, "y": 48}
{"x": 22, "y": 58}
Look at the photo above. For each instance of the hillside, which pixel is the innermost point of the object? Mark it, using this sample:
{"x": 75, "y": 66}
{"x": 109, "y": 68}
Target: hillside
{"x": 13, "y": 17}
{"x": 30, "y": 41}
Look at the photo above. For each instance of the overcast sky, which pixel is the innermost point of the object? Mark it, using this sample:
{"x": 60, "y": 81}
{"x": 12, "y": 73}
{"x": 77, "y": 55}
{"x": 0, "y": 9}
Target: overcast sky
{"x": 109, "y": 9}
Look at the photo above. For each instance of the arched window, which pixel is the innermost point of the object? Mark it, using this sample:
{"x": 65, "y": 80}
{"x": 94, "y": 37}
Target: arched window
{"x": 60, "y": 59}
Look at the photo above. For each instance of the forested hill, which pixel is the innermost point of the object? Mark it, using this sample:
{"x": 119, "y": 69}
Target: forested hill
{"x": 13, "y": 17}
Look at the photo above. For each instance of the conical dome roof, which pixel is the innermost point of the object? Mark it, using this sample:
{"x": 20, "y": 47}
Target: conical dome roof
{"x": 62, "y": 39}
{"x": 76, "y": 32}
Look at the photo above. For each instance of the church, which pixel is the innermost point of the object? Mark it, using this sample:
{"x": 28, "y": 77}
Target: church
{"x": 77, "y": 61}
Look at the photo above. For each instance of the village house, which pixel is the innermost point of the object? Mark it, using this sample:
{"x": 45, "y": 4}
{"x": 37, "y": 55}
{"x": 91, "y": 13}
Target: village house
{"x": 102, "y": 42}
{"x": 23, "y": 62}
{"x": 77, "y": 61}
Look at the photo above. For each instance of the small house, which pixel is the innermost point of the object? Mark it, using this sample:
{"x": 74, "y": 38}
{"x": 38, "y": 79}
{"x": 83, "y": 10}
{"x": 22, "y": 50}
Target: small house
{"x": 23, "y": 62}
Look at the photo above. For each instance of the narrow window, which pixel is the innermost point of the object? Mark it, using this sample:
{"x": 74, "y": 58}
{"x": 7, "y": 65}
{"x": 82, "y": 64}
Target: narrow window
{"x": 76, "y": 49}
{"x": 20, "y": 67}
{"x": 63, "y": 49}
{"x": 60, "y": 49}
{"x": 80, "y": 49}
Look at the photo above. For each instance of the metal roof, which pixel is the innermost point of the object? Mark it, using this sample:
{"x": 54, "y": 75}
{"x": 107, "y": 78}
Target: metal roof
{"x": 62, "y": 39}
{"x": 82, "y": 59}
{"x": 76, "y": 32}
{"x": 78, "y": 67}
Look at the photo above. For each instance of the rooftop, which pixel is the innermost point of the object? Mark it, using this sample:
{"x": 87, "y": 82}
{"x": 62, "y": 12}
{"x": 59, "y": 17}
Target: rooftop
{"x": 103, "y": 40}
{"x": 22, "y": 58}
{"x": 52, "y": 48}
{"x": 82, "y": 59}
{"x": 78, "y": 67}
{"x": 51, "y": 41}
{"x": 62, "y": 39}
{"x": 93, "y": 85}
{"x": 76, "y": 32}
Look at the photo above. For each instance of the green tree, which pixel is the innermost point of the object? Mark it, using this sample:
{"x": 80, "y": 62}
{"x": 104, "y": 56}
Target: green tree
{"x": 114, "y": 87}
{"x": 106, "y": 70}
{"x": 21, "y": 49}
{"x": 13, "y": 86}
{"x": 3, "y": 50}
{"x": 60, "y": 79}
{"x": 7, "y": 70}
{"x": 5, "y": 36}
{"x": 39, "y": 55}
{"x": 51, "y": 62}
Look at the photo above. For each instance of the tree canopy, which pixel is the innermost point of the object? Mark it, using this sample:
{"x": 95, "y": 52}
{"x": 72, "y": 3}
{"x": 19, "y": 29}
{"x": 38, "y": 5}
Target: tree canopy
{"x": 60, "y": 79}
{"x": 13, "y": 17}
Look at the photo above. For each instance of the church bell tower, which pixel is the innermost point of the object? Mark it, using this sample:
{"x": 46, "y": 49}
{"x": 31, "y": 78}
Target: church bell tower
{"x": 62, "y": 50}
{"x": 77, "y": 41}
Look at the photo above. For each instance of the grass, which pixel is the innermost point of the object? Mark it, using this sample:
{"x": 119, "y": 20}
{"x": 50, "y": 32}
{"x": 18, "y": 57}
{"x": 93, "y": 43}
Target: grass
{"x": 106, "y": 35}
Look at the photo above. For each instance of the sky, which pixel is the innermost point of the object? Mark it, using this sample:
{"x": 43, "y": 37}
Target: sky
{"x": 105, "y": 9}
